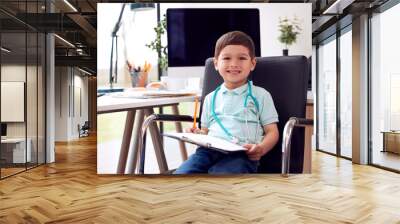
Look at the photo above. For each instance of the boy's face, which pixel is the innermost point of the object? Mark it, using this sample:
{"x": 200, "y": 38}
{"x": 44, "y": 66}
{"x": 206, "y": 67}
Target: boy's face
{"x": 234, "y": 64}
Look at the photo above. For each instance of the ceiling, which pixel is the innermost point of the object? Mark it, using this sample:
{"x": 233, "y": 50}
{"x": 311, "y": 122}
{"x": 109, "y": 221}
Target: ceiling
{"x": 76, "y": 26}
{"x": 76, "y": 23}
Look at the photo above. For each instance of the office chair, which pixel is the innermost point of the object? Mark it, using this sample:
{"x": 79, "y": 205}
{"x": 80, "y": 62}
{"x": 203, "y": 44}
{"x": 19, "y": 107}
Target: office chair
{"x": 84, "y": 130}
{"x": 286, "y": 79}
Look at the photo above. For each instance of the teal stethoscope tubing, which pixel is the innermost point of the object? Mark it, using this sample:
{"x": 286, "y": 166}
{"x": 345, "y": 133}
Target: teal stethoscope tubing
{"x": 248, "y": 95}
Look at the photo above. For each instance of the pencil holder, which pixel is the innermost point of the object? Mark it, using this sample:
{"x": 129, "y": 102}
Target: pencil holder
{"x": 139, "y": 79}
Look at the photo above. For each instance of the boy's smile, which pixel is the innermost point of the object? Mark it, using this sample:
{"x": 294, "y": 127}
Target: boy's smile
{"x": 234, "y": 65}
{"x": 233, "y": 71}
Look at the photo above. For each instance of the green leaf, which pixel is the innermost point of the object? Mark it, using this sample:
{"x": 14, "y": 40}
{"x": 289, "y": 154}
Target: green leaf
{"x": 289, "y": 29}
{"x": 156, "y": 44}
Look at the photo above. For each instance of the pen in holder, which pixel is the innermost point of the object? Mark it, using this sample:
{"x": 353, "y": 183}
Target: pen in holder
{"x": 139, "y": 79}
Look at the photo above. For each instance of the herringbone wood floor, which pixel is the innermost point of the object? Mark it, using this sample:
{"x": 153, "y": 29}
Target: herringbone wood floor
{"x": 70, "y": 191}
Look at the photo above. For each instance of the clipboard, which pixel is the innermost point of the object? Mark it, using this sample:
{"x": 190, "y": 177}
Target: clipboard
{"x": 207, "y": 141}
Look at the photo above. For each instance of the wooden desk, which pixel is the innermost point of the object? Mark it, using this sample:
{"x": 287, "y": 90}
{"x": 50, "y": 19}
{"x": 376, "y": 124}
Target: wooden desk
{"x": 391, "y": 141}
{"x": 13, "y": 150}
{"x": 137, "y": 110}
{"x": 108, "y": 104}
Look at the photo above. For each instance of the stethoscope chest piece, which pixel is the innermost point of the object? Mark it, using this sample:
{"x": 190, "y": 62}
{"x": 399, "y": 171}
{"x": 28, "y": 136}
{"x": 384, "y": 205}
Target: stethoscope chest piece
{"x": 235, "y": 140}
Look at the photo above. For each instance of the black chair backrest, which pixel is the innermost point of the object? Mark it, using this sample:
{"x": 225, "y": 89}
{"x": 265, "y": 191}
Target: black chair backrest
{"x": 285, "y": 78}
{"x": 86, "y": 125}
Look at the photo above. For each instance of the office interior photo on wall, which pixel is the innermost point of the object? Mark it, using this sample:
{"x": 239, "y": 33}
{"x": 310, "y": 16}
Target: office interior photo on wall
{"x": 234, "y": 70}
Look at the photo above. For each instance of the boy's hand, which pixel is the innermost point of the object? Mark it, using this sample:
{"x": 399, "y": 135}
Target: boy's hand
{"x": 194, "y": 130}
{"x": 254, "y": 151}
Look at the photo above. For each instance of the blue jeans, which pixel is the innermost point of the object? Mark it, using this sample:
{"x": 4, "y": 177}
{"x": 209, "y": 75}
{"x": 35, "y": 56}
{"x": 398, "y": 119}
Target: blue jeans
{"x": 206, "y": 160}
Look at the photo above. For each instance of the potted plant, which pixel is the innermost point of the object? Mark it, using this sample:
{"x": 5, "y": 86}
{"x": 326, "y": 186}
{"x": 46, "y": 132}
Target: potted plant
{"x": 289, "y": 29}
{"x": 157, "y": 45}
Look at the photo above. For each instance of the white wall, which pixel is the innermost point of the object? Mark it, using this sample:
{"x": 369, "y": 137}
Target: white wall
{"x": 80, "y": 114}
{"x": 70, "y": 84}
{"x": 61, "y": 103}
{"x": 16, "y": 73}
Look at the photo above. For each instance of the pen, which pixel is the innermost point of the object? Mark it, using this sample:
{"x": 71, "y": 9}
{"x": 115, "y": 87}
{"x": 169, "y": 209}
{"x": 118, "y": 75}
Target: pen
{"x": 195, "y": 112}
{"x": 147, "y": 66}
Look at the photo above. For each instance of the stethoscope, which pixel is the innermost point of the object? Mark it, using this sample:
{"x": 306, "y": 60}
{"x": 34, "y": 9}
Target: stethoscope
{"x": 248, "y": 95}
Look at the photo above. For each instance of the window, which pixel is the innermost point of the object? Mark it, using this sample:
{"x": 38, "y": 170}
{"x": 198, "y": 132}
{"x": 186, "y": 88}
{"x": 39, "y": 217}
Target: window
{"x": 346, "y": 93}
{"x": 22, "y": 74}
{"x": 327, "y": 96}
{"x": 385, "y": 89}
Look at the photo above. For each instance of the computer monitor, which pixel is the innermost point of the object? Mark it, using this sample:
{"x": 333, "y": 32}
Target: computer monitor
{"x": 3, "y": 129}
{"x": 192, "y": 32}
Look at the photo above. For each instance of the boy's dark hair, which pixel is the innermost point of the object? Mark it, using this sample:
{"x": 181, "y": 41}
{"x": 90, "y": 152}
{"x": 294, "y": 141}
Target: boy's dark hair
{"x": 234, "y": 38}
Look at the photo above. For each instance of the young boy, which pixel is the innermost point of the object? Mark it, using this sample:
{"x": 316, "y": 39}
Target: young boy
{"x": 236, "y": 111}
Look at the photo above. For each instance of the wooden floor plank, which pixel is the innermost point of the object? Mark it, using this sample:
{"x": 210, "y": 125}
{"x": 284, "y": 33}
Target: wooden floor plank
{"x": 70, "y": 191}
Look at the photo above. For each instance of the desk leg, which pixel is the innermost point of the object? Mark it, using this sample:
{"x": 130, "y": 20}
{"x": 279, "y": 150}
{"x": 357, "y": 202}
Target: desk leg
{"x": 178, "y": 126}
{"x": 384, "y": 142}
{"x": 161, "y": 124}
{"x": 308, "y": 130}
{"x": 125, "y": 142}
{"x": 134, "y": 149}
{"x": 158, "y": 147}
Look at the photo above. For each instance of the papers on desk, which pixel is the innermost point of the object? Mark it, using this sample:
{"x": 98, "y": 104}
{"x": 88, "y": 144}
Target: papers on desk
{"x": 145, "y": 94}
{"x": 207, "y": 141}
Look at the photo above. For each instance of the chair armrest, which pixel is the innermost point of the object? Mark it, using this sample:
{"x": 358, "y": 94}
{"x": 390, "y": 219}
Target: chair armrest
{"x": 302, "y": 122}
{"x": 171, "y": 117}
{"x": 287, "y": 137}
{"x": 146, "y": 124}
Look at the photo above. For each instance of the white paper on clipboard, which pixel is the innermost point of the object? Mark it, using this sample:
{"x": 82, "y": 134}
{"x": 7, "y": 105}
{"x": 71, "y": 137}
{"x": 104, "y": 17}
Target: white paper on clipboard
{"x": 207, "y": 141}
